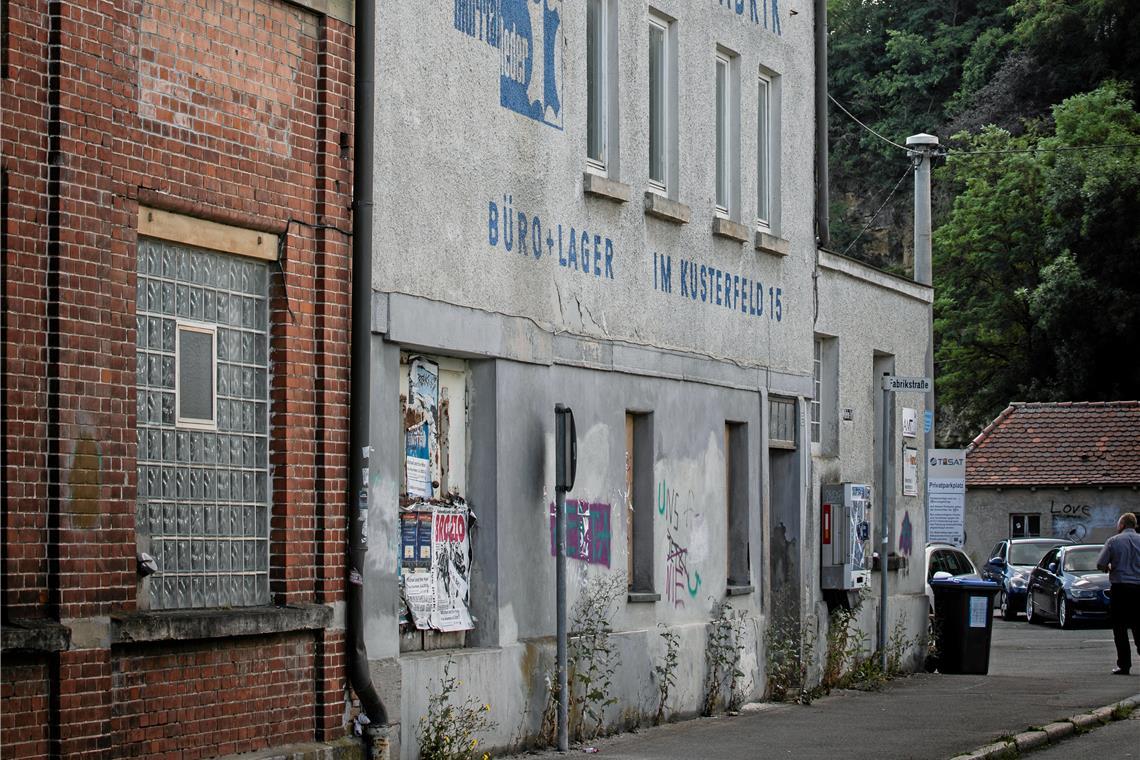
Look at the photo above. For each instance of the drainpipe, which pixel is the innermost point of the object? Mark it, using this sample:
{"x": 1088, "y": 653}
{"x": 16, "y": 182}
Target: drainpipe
{"x": 359, "y": 674}
{"x": 822, "y": 198}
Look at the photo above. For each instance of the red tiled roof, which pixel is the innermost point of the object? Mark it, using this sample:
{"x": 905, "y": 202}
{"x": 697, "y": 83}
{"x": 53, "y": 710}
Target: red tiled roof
{"x": 1058, "y": 444}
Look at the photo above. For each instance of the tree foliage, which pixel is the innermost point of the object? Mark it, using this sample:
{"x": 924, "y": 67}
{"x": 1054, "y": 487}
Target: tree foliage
{"x": 1037, "y": 267}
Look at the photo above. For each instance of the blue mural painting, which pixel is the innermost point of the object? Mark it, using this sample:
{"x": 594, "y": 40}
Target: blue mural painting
{"x": 704, "y": 283}
{"x": 576, "y": 248}
{"x": 529, "y": 37}
{"x": 766, "y": 12}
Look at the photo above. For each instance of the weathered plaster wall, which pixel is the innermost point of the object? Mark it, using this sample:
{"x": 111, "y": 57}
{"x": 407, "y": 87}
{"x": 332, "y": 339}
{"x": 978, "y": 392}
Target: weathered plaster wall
{"x": 1080, "y": 514}
{"x": 448, "y": 152}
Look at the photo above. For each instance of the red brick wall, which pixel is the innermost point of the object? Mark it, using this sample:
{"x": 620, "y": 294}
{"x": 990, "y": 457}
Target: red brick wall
{"x": 238, "y": 112}
{"x": 24, "y": 716}
{"x": 198, "y": 701}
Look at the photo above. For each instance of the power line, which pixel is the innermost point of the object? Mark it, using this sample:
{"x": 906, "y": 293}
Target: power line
{"x": 871, "y": 221}
{"x": 1107, "y": 146}
{"x": 864, "y": 126}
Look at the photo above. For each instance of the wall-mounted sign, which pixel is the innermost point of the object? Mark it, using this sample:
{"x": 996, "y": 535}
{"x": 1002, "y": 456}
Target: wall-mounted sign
{"x": 910, "y": 471}
{"x": 946, "y": 496}
{"x": 909, "y": 422}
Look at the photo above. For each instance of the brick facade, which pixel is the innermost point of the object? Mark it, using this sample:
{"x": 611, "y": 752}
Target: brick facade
{"x": 230, "y": 112}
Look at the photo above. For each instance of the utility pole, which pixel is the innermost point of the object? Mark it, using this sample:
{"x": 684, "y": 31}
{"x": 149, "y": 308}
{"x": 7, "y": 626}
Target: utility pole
{"x": 921, "y": 148}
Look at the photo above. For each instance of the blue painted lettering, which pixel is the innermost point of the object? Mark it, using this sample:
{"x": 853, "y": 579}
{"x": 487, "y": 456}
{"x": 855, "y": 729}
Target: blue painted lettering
{"x": 666, "y": 263}
{"x": 561, "y": 257}
{"x": 536, "y": 236}
{"x": 609, "y": 259}
{"x": 597, "y": 255}
{"x": 584, "y": 252}
{"x": 704, "y": 284}
{"x": 572, "y": 256}
{"x": 508, "y": 227}
{"x": 684, "y": 278}
{"x": 522, "y": 233}
{"x": 492, "y": 224}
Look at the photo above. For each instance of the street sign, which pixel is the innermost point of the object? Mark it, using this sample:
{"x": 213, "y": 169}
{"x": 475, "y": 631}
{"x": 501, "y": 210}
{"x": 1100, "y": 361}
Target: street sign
{"x": 914, "y": 384}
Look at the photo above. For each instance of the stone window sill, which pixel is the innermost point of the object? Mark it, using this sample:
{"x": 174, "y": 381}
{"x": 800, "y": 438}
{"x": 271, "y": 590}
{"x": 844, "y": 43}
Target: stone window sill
{"x": 726, "y": 228}
{"x": 771, "y": 244}
{"x": 190, "y": 625}
{"x": 36, "y": 636}
{"x": 734, "y": 590}
{"x": 604, "y": 187}
{"x": 663, "y": 208}
{"x": 643, "y": 597}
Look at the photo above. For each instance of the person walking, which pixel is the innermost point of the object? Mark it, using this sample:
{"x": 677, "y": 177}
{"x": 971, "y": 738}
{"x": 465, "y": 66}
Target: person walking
{"x": 1120, "y": 558}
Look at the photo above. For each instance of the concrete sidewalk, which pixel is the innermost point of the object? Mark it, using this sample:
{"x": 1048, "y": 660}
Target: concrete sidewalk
{"x": 1038, "y": 675}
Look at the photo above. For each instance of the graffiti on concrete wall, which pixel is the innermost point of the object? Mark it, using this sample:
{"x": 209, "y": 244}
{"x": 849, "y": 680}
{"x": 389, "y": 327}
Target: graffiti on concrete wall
{"x": 906, "y": 535}
{"x": 587, "y": 531}
{"x": 1083, "y": 522}
{"x": 680, "y": 578}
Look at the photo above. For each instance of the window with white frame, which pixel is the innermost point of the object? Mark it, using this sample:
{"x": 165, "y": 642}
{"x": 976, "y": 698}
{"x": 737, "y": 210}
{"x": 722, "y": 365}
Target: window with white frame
{"x": 203, "y": 376}
{"x": 764, "y": 152}
{"x": 662, "y": 103}
{"x": 817, "y": 387}
{"x": 597, "y": 83}
{"x": 727, "y": 135}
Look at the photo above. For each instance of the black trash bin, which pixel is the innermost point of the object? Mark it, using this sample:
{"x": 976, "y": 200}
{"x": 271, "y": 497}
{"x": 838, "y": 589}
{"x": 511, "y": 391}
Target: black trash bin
{"x": 963, "y": 622}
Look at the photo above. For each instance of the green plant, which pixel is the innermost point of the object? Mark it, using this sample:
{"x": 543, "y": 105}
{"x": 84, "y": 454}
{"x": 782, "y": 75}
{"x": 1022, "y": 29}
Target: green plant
{"x": 786, "y": 655}
{"x": 590, "y": 654}
{"x": 723, "y": 651}
{"x": 451, "y": 731}
{"x": 666, "y": 672}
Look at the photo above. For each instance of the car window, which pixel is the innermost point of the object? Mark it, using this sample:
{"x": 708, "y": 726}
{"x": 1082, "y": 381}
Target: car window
{"x": 936, "y": 564}
{"x": 1027, "y": 554}
{"x": 997, "y": 550}
{"x": 1081, "y": 560}
{"x": 1050, "y": 557}
{"x": 957, "y": 563}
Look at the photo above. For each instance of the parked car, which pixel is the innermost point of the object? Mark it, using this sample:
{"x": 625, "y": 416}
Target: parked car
{"x": 1011, "y": 561}
{"x": 1066, "y": 586}
{"x": 946, "y": 561}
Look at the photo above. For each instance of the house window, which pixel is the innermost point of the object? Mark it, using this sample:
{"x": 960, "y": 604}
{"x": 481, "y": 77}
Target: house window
{"x": 816, "y": 378}
{"x": 1024, "y": 526}
{"x": 639, "y": 458}
{"x": 764, "y": 152}
{"x": 736, "y": 503}
{"x": 597, "y": 83}
{"x": 203, "y": 377}
{"x": 727, "y": 135}
{"x": 196, "y": 357}
{"x": 781, "y": 423}
{"x": 662, "y": 103}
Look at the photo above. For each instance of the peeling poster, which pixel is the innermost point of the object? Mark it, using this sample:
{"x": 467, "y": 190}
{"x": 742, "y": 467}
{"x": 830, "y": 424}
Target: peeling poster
{"x": 421, "y": 428}
{"x": 438, "y": 598}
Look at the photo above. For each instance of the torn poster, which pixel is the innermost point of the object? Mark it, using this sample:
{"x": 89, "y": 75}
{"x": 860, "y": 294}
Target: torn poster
{"x": 419, "y": 595}
{"x": 421, "y": 428}
{"x": 451, "y": 568}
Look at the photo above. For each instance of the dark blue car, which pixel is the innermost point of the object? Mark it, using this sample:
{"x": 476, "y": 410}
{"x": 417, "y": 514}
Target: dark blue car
{"x": 1009, "y": 566}
{"x": 1067, "y": 587}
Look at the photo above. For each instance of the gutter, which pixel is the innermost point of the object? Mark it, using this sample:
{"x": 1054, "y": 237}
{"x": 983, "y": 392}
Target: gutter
{"x": 822, "y": 196}
{"x": 364, "y": 56}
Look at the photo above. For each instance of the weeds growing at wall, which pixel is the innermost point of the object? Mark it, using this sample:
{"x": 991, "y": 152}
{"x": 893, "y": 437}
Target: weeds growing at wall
{"x": 787, "y": 650}
{"x": 451, "y": 731}
{"x": 665, "y": 672}
{"x": 723, "y": 652}
{"x": 848, "y": 661}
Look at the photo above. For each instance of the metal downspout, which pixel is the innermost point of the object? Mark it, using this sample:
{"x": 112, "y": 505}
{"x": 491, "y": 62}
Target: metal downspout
{"x": 822, "y": 196}
{"x": 359, "y": 674}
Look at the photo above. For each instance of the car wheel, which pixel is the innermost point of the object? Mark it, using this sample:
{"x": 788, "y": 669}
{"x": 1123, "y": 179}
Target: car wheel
{"x": 1007, "y": 612}
{"x": 1063, "y": 617}
{"x": 1031, "y": 615}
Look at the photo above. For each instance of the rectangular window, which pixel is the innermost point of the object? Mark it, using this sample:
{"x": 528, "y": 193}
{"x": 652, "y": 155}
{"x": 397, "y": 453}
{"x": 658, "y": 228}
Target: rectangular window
{"x": 596, "y": 83}
{"x": 764, "y": 153}
{"x": 736, "y": 498}
{"x": 727, "y": 135}
{"x": 196, "y": 357}
{"x": 816, "y": 373}
{"x": 639, "y": 509}
{"x": 662, "y": 102}
{"x": 203, "y": 383}
{"x": 1024, "y": 526}
{"x": 781, "y": 423}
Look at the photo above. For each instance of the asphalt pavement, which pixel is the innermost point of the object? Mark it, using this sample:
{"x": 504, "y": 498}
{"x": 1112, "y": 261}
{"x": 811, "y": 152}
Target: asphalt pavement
{"x": 1038, "y": 674}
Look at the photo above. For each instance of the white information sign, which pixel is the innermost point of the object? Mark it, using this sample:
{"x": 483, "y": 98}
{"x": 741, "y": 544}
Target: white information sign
{"x": 946, "y": 489}
{"x": 979, "y": 606}
{"x": 910, "y": 471}
{"x": 909, "y": 422}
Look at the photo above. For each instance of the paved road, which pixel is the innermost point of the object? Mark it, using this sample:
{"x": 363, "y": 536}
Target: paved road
{"x": 1038, "y": 674}
{"x": 1116, "y": 741}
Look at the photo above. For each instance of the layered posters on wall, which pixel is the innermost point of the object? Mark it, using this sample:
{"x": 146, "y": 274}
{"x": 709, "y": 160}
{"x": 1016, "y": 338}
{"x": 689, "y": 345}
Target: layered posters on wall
{"x": 421, "y": 428}
{"x": 437, "y": 595}
{"x": 946, "y": 493}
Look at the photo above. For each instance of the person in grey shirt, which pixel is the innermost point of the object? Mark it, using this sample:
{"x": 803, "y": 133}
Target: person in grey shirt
{"x": 1120, "y": 558}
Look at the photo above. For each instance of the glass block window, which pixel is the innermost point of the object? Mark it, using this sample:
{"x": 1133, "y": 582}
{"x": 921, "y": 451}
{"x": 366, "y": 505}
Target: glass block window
{"x": 203, "y": 425}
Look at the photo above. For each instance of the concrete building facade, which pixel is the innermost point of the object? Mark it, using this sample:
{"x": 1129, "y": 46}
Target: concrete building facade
{"x": 610, "y": 205}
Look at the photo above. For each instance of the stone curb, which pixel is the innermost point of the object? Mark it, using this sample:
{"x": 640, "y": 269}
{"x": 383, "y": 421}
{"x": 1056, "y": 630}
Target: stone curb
{"x": 1050, "y": 734}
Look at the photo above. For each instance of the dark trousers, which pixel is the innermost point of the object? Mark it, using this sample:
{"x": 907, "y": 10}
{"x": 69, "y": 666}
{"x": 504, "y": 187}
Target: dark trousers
{"x": 1125, "y": 612}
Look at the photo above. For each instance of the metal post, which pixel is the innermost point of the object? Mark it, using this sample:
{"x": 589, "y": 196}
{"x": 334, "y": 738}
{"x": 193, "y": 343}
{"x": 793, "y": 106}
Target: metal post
{"x": 922, "y": 148}
{"x": 560, "y": 597}
{"x": 884, "y": 539}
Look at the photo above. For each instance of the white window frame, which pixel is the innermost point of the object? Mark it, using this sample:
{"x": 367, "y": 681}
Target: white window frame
{"x": 726, "y": 198}
{"x": 195, "y": 423}
{"x": 605, "y": 79}
{"x": 764, "y": 150}
{"x": 667, "y": 142}
{"x": 815, "y": 419}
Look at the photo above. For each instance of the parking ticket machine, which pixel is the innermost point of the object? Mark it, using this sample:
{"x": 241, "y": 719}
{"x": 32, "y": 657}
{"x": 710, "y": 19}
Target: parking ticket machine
{"x": 845, "y": 540}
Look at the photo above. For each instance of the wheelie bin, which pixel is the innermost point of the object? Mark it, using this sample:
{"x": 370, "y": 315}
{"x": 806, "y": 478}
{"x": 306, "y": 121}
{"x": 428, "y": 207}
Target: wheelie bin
{"x": 963, "y": 623}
